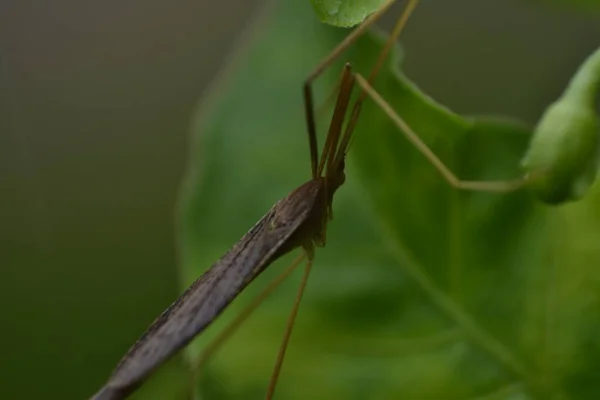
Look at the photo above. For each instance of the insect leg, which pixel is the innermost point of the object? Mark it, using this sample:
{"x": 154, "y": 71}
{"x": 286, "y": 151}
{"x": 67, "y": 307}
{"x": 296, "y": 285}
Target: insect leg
{"x": 335, "y": 53}
{"x": 309, "y": 250}
{"x": 355, "y": 34}
{"x": 218, "y": 341}
{"x": 392, "y": 39}
{"x": 453, "y": 180}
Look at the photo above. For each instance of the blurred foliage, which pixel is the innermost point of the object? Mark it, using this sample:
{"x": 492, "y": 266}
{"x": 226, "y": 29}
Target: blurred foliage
{"x": 344, "y": 13}
{"x": 587, "y": 5}
{"x": 423, "y": 292}
{"x": 347, "y": 13}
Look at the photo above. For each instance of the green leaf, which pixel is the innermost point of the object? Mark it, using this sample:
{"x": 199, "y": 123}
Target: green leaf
{"x": 345, "y": 13}
{"x": 422, "y": 291}
{"x": 492, "y": 263}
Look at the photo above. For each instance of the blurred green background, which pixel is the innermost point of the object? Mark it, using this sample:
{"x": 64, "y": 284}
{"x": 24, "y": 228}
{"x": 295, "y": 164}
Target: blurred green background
{"x": 96, "y": 104}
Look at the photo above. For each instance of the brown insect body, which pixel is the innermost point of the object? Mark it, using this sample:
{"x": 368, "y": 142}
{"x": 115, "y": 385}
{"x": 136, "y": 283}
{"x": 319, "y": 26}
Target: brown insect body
{"x": 313, "y": 230}
{"x": 299, "y": 219}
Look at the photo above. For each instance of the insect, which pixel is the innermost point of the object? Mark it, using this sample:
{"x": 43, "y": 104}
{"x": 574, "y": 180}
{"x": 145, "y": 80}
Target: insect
{"x": 298, "y": 220}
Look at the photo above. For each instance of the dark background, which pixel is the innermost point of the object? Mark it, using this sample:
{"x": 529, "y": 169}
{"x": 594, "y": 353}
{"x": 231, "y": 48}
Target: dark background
{"x": 96, "y": 100}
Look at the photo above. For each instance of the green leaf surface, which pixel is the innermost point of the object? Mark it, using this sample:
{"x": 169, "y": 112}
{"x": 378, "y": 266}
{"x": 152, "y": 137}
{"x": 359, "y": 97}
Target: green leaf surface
{"x": 345, "y": 13}
{"x": 422, "y": 292}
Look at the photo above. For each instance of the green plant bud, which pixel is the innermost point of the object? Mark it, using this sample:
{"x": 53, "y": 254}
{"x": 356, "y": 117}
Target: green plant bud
{"x": 564, "y": 152}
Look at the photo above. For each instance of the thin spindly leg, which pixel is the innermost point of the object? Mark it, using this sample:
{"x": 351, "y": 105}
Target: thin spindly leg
{"x": 216, "y": 343}
{"x": 308, "y": 96}
{"x": 337, "y": 121}
{"x": 334, "y": 134}
{"x": 392, "y": 39}
{"x": 290, "y": 323}
{"x": 453, "y": 180}
{"x": 331, "y": 96}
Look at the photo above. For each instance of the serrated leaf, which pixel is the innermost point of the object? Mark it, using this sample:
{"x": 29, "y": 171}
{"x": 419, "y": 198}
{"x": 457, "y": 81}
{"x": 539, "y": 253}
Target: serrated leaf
{"x": 345, "y": 13}
{"x": 422, "y": 291}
